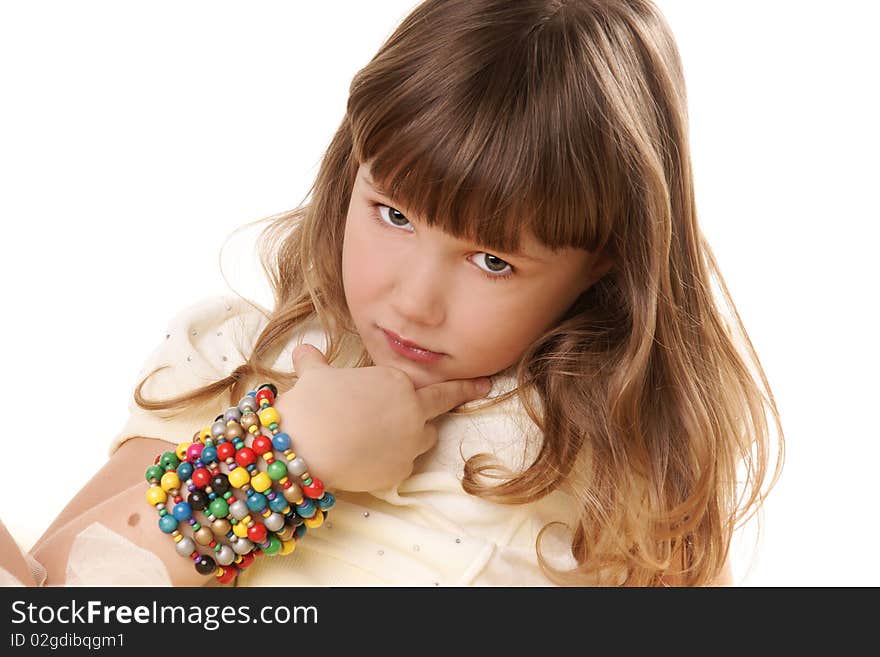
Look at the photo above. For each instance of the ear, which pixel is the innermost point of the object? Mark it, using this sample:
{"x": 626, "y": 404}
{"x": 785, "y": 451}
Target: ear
{"x": 599, "y": 266}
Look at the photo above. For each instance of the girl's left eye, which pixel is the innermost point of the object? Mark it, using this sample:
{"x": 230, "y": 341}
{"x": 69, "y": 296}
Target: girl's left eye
{"x": 395, "y": 216}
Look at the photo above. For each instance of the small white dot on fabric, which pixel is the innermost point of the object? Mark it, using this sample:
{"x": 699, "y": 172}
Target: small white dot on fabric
{"x": 224, "y": 358}
{"x": 167, "y": 335}
{"x": 416, "y": 548}
{"x": 219, "y": 332}
{"x": 195, "y": 332}
{"x": 189, "y": 358}
{"x": 436, "y": 583}
{"x": 329, "y": 525}
{"x": 366, "y": 514}
{"x": 381, "y": 552}
{"x": 228, "y": 307}
{"x": 458, "y": 540}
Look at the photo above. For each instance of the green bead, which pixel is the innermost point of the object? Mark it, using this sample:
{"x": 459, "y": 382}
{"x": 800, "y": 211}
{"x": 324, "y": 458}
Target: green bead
{"x": 273, "y": 426}
{"x": 227, "y": 495}
{"x": 277, "y": 470}
{"x": 219, "y": 508}
{"x": 154, "y": 472}
{"x": 169, "y": 461}
{"x": 274, "y": 546}
{"x": 163, "y": 512}
{"x": 196, "y": 527}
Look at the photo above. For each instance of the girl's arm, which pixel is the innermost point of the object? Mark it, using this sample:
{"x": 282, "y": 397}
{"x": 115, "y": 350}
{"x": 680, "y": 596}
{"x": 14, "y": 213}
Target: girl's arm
{"x": 115, "y": 497}
{"x": 12, "y": 560}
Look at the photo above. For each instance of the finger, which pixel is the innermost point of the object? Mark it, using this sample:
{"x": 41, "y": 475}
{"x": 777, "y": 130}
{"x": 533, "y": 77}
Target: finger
{"x": 307, "y": 356}
{"x": 428, "y": 439}
{"x": 438, "y": 398}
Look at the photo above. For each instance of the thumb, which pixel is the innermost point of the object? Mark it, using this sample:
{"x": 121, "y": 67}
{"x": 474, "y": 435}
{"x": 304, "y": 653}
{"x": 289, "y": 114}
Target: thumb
{"x": 438, "y": 398}
{"x": 306, "y": 356}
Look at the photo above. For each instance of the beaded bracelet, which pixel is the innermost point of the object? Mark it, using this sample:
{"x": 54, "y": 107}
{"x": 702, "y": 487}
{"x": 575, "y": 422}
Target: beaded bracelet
{"x": 285, "y": 512}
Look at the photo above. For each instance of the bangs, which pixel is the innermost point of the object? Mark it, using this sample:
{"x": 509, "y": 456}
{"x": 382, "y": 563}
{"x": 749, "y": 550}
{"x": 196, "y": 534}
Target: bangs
{"x": 485, "y": 146}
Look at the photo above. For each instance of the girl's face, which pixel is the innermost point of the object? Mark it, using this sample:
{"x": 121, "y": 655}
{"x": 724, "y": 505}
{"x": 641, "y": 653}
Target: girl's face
{"x": 478, "y": 310}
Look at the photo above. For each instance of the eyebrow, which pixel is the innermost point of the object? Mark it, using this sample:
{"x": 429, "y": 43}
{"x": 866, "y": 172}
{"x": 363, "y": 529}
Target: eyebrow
{"x": 516, "y": 254}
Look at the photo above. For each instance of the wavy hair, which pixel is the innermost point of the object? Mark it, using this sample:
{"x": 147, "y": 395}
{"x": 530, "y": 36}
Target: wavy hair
{"x": 566, "y": 118}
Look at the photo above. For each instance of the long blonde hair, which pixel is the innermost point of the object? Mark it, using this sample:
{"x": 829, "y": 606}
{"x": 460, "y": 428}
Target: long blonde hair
{"x": 568, "y": 119}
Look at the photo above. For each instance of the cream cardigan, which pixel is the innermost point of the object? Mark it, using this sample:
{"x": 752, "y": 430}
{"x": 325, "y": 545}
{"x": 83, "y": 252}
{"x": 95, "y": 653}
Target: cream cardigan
{"x": 426, "y": 531}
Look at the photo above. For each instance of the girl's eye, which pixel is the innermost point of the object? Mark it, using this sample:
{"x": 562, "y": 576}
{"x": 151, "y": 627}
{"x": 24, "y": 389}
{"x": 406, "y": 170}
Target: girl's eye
{"x": 398, "y": 220}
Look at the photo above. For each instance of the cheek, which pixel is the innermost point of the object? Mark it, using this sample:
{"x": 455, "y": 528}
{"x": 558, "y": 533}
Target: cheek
{"x": 362, "y": 269}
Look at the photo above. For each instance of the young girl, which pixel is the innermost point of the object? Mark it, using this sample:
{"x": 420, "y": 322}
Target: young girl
{"x": 510, "y": 194}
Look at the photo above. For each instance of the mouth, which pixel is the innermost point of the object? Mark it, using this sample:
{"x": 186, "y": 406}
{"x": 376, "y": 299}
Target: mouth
{"x": 409, "y": 349}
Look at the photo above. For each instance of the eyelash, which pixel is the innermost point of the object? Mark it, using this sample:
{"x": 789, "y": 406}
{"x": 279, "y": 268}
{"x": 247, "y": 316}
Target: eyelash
{"x": 378, "y": 217}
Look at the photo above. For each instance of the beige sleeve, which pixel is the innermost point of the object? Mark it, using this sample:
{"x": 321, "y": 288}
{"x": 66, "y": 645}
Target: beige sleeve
{"x": 200, "y": 345}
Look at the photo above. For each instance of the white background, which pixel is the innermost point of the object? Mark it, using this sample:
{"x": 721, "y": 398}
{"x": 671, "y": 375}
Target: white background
{"x": 136, "y": 137}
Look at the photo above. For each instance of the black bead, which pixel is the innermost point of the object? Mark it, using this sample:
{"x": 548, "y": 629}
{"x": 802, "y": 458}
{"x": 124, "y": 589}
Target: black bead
{"x": 205, "y": 565}
{"x": 198, "y": 500}
{"x": 220, "y": 483}
{"x": 218, "y": 418}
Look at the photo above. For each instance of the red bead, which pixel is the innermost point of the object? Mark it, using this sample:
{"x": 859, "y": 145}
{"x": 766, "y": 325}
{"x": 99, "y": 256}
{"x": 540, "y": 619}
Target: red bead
{"x": 225, "y": 450}
{"x": 245, "y": 457}
{"x": 194, "y": 451}
{"x": 229, "y": 573}
{"x": 262, "y": 444}
{"x": 201, "y": 477}
{"x": 178, "y": 499}
{"x": 266, "y": 394}
{"x": 257, "y": 532}
{"x": 246, "y": 560}
{"x": 314, "y": 490}
{"x": 212, "y": 544}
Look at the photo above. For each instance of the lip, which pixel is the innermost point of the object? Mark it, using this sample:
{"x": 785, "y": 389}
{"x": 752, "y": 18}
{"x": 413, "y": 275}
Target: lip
{"x": 409, "y": 349}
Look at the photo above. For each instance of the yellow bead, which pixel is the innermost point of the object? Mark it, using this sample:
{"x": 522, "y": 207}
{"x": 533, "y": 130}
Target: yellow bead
{"x": 261, "y": 482}
{"x": 239, "y": 477}
{"x": 205, "y": 434}
{"x": 240, "y": 530}
{"x": 268, "y": 416}
{"x": 287, "y": 546}
{"x": 156, "y": 496}
{"x": 181, "y": 450}
{"x": 316, "y": 521}
{"x": 170, "y": 481}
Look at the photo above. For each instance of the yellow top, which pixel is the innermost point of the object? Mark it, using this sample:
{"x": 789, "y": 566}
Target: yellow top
{"x": 426, "y": 531}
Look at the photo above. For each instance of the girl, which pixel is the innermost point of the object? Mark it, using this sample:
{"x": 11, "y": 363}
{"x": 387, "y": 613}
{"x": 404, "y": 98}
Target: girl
{"x": 509, "y": 195}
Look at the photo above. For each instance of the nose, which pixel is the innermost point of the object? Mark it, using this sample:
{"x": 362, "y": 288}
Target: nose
{"x": 418, "y": 296}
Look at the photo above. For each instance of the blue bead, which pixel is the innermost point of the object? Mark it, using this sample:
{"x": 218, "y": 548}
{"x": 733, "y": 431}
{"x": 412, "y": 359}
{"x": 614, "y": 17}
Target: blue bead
{"x": 300, "y": 531}
{"x": 252, "y": 393}
{"x": 278, "y": 504}
{"x": 307, "y": 508}
{"x": 185, "y": 470}
{"x": 182, "y": 511}
{"x": 281, "y": 441}
{"x": 256, "y": 501}
{"x": 167, "y": 524}
{"x": 327, "y": 501}
{"x": 209, "y": 454}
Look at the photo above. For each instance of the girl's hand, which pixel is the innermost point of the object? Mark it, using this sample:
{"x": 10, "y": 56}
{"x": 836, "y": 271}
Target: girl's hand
{"x": 360, "y": 429}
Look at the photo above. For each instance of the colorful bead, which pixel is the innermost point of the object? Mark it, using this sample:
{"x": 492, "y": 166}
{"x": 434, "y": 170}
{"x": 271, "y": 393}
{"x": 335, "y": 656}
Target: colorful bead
{"x": 154, "y": 472}
{"x": 261, "y": 445}
{"x": 314, "y": 490}
{"x": 269, "y": 416}
{"x": 239, "y": 477}
{"x": 156, "y": 496}
{"x": 169, "y": 460}
{"x": 170, "y": 481}
{"x": 276, "y": 470}
{"x": 261, "y": 482}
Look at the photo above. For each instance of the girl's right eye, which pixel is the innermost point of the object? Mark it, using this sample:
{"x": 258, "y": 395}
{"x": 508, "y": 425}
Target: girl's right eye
{"x": 394, "y": 216}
